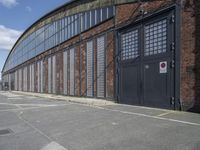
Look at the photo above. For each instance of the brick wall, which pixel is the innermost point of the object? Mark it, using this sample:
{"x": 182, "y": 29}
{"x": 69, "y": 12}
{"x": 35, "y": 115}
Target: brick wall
{"x": 110, "y": 65}
{"x": 77, "y": 71}
{"x": 83, "y": 69}
{"x": 190, "y": 52}
{"x": 125, "y": 13}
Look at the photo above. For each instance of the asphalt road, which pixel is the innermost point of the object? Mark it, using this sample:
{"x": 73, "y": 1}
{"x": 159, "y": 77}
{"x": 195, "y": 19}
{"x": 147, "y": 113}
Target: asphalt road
{"x": 32, "y": 123}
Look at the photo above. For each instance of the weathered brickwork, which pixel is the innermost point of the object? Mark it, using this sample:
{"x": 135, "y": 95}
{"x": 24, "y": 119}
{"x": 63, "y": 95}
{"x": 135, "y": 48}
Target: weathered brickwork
{"x": 59, "y": 73}
{"x": 77, "y": 71}
{"x": 110, "y": 66}
{"x": 127, "y": 13}
{"x": 124, "y": 15}
{"x": 190, "y": 48}
{"x": 95, "y": 67}
{"x": 83, "y": 69}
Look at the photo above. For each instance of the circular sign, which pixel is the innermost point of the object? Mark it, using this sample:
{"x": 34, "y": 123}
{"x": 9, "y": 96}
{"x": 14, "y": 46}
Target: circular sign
{"x": 163, "y": 65}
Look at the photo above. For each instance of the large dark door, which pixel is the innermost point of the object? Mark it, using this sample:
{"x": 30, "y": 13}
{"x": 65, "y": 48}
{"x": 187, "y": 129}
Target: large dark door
{"x": 146, "y": 70}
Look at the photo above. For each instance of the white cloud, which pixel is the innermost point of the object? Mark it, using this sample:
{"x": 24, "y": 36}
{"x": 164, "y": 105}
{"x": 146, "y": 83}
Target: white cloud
{"x": 28, "y": 8}
{"x": 8, "y": 37}
{"x": 8, "y": 3}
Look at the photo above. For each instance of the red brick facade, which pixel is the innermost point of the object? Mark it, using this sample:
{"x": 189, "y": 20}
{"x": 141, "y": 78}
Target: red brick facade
{"x": 125, "y": 14}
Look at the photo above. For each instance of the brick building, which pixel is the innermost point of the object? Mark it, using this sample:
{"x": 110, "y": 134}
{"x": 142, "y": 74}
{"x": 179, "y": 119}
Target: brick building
{"x": 128, "y": 51}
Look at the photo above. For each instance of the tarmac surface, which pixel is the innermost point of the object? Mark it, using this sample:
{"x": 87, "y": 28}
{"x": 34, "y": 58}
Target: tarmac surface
{"x": 37, "y": 123}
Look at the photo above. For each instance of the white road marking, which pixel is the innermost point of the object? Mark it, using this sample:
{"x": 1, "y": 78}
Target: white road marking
{"x": 149, "y": 116}
{"x": 53, "y": 146}
{"x": 14, "y": 98}
{"x": 164, "y": 114}
{"x": 143, "y": 107}
{"x": 9, "y": 95}
{"x": 38, "y": 105}
{"x": 30, "y": 108}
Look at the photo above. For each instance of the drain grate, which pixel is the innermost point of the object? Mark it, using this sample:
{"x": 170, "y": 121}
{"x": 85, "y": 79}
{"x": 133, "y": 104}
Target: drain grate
{"x": 5, "y": 131}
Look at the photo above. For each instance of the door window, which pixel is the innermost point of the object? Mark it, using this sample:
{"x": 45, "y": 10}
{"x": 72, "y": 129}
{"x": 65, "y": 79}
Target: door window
{"x": 155, "y": 38}
{"x": 129, "y": 45}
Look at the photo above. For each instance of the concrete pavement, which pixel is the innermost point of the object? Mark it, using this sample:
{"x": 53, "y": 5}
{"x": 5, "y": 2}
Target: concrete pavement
{"x": 39, "y": 123}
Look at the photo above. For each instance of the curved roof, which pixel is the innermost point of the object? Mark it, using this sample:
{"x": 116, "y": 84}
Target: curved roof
{"x": 39, "y": 20}
{"x": 71, "y": 4}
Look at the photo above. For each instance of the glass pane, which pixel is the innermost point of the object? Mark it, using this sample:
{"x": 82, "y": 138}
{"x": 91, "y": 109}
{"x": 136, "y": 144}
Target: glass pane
{"x": 156, "y": 38}
{"x": 129, "y": 42}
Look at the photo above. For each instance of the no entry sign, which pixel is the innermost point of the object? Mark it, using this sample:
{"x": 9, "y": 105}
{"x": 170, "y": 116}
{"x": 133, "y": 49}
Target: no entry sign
{"x": 163, "y": 67}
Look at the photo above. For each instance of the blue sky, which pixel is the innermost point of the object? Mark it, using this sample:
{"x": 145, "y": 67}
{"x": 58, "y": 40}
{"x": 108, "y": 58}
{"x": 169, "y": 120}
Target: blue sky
{"x": 16, "y": 16}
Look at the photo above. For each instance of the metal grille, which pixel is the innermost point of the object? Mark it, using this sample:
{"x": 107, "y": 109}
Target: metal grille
{"x": 41, "y": 78}
{"x": 130, "y": 45}
{"x": 49, "y": 75}
{"x": 25, "y": 79}
{"x": 100, "y": 66}
{"x": 16, "y": 81}
{"x": 30, "y": 78}
{"x": 20, "y": 79}
{"x": 72, "y": 71}
{"x": 33, "y": 78}
{"x": 65, "y": 71}
{"x": 9, "y": 81}
{"x": 54, "y": 74}
{"x": 156, "y": 38}
{"x": 90, "y": 68}
{"x": 38, "y": 77}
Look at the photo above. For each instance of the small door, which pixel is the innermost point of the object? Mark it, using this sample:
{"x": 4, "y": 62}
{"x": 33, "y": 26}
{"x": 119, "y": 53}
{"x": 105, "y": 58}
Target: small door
{"x": 101, "y": 66}
{"x": 71, "y": 75}
{"x": 146, "y": 76}
{"x": 157, "y": 83}
{"x": 90, "y": 68}
{"x": 65, "y": 71}
{"x": 130, "y": 66}
{"x": 54, "y": 74}
{"x": 49, "y": 75}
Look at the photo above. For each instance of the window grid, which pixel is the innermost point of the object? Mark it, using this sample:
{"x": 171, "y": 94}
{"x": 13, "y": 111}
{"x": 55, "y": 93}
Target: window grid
{"x": 130, "y": 45}
{"x": 54, "y": 33}
{"x": 156, "y": 38}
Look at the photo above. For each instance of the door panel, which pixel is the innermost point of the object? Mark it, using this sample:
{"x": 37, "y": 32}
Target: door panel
{"x": 72, "y": 71}
{"x": 156, "y": 85}
{"x": 129, "y": 83}
{"x": 101, "y": 66}
{"x": 90, "y": 68}
{"x": 143, "y": 48}
{"x": 65, "y": 71}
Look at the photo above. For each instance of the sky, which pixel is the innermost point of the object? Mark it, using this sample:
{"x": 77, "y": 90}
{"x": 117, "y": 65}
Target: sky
{"x": 16, "y": 16}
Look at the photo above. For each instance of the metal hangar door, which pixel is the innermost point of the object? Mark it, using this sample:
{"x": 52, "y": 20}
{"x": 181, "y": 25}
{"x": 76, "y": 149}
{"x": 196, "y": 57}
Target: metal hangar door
{"x": 145, "y": 65}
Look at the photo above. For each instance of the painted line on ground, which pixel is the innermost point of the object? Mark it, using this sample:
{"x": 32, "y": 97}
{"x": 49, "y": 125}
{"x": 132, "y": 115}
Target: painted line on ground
{"x": 149, "y": 116}
{"x": 13, "y": 98}
{"x": 164, "y": 114}
{"x": 19, "y": 109}
{"x": 143, "y": 107}
{"x": 53, "y": 146}
{"x": 30, "y": 108}
{"x": 32, "y": 126}
{"x": 39, "y": 105}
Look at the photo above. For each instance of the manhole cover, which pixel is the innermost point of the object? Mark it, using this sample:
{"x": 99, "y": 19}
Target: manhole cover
{"x": 5, "y": 131}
